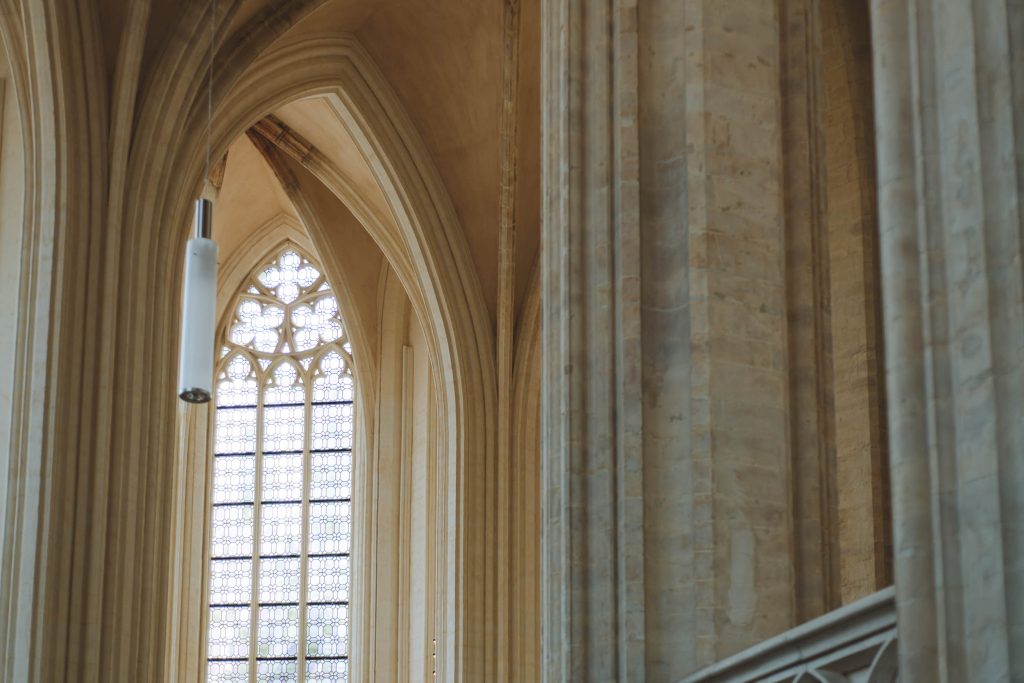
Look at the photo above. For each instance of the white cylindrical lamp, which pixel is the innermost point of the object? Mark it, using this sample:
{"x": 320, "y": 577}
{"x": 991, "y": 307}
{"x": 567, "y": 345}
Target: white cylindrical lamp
{"x": 199, "y": 310}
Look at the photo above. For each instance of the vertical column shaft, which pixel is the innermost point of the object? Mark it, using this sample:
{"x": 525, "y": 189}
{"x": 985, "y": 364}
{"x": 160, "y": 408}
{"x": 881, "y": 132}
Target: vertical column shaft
{"x": 592, "y": 476}
{"x": 948, "y": 126}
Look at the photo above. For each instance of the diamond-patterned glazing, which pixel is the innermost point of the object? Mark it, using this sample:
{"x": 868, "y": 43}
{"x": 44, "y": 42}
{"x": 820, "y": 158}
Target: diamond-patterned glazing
{"x": 234, "y": 479}
{"x": 237, "y": 383}
{"x": 328, "y": 579}
{"x": 235, "y": 431}
{"x": 278, "y": 632}
{"x": 333, "y": 383}
{"x": 332, "y": 427}
{"x": 230, "y": 582}
{"x": 231, "y": 531}
{"x": 285, "y": 385}
{"x": 330, "y": 530}
{"x": 277, "y": 671}
{"x": 281, "y": 529}
{"x": 283, "y": 427}
{"x": 284, "y": 349}
{"x": 279, "y": 579}
{"x": 282, "y": 476}
{"x": 327, "y": 631}
{"x": 327, "y": 671}
{"x": 331, "y": 476}
{"x": 228, "y": 672}
{"x": 228, "y": 633}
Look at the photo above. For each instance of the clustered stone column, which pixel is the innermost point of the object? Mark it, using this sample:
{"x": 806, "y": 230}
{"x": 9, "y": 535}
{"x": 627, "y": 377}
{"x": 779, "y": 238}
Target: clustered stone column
{"x": 667, "y": 540}
{"x": 949, "y": 97}
{"x": 592, "y": 560}
{"x": 669, "y": 537}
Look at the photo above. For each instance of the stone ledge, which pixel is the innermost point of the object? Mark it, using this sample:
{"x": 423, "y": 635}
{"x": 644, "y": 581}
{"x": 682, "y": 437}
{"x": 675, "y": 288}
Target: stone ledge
{"x": 854, "y": 643}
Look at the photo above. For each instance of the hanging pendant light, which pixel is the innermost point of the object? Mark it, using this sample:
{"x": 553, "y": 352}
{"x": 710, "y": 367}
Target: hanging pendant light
{"x": 199, "y": 300}
{"x": 199, "y": 317}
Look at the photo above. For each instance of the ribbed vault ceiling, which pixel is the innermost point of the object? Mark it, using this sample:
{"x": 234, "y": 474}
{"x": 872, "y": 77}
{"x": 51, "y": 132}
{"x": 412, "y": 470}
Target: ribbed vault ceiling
{"x": 444, "y": 59}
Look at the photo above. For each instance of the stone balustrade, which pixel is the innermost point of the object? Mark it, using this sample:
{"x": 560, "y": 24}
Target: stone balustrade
{"x": 853, "y": 644}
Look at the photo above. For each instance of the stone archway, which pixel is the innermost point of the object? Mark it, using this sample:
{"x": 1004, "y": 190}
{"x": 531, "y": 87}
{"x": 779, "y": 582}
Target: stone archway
{"x": 107, "y": 520}
{"x": 431, "y": 260}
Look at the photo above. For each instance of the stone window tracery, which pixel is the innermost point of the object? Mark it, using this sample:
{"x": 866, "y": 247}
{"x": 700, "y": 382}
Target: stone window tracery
{"x": 280, "y": 523}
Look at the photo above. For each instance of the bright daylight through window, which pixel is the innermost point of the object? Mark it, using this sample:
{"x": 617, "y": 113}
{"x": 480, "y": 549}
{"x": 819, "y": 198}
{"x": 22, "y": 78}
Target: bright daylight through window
{"x": 280, "y": 527}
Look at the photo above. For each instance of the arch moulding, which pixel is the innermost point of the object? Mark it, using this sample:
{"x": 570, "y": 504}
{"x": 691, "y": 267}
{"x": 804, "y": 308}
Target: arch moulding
{"x": 425, "y": 245}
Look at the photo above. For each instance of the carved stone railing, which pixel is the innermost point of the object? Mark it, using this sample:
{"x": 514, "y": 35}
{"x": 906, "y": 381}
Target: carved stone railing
{"x": 854, "y": 644}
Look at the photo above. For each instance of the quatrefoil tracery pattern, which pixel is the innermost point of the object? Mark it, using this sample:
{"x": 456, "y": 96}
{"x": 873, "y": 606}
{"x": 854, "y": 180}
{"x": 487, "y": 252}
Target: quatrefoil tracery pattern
{"x": 286, "y": 308}
{"x": 280, "y": 531}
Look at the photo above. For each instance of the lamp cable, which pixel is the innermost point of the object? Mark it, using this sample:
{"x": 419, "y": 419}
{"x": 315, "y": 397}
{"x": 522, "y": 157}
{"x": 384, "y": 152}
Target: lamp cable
{"x": 209, "y": 85}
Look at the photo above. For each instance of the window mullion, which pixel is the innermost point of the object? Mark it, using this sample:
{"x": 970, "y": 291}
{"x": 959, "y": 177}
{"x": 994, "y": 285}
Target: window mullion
{"x": 259, "y": 306}
{"x": 257, "y": 515}
{"x": 307, "y": 476}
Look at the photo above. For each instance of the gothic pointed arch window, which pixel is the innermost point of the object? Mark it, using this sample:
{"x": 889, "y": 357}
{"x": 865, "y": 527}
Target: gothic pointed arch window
{"x": 280, "y": 523}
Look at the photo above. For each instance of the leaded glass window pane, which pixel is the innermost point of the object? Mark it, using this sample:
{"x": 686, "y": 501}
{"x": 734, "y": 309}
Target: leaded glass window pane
{"x": 280, "y": 527}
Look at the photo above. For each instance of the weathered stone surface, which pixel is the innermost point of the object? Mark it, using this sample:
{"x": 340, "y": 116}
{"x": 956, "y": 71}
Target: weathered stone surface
{"x": 781, "y": 274}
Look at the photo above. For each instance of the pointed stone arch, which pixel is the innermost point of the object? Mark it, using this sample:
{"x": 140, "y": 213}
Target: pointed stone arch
{"x": 127, "y": 243}
{"x": 430, "y": 256}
